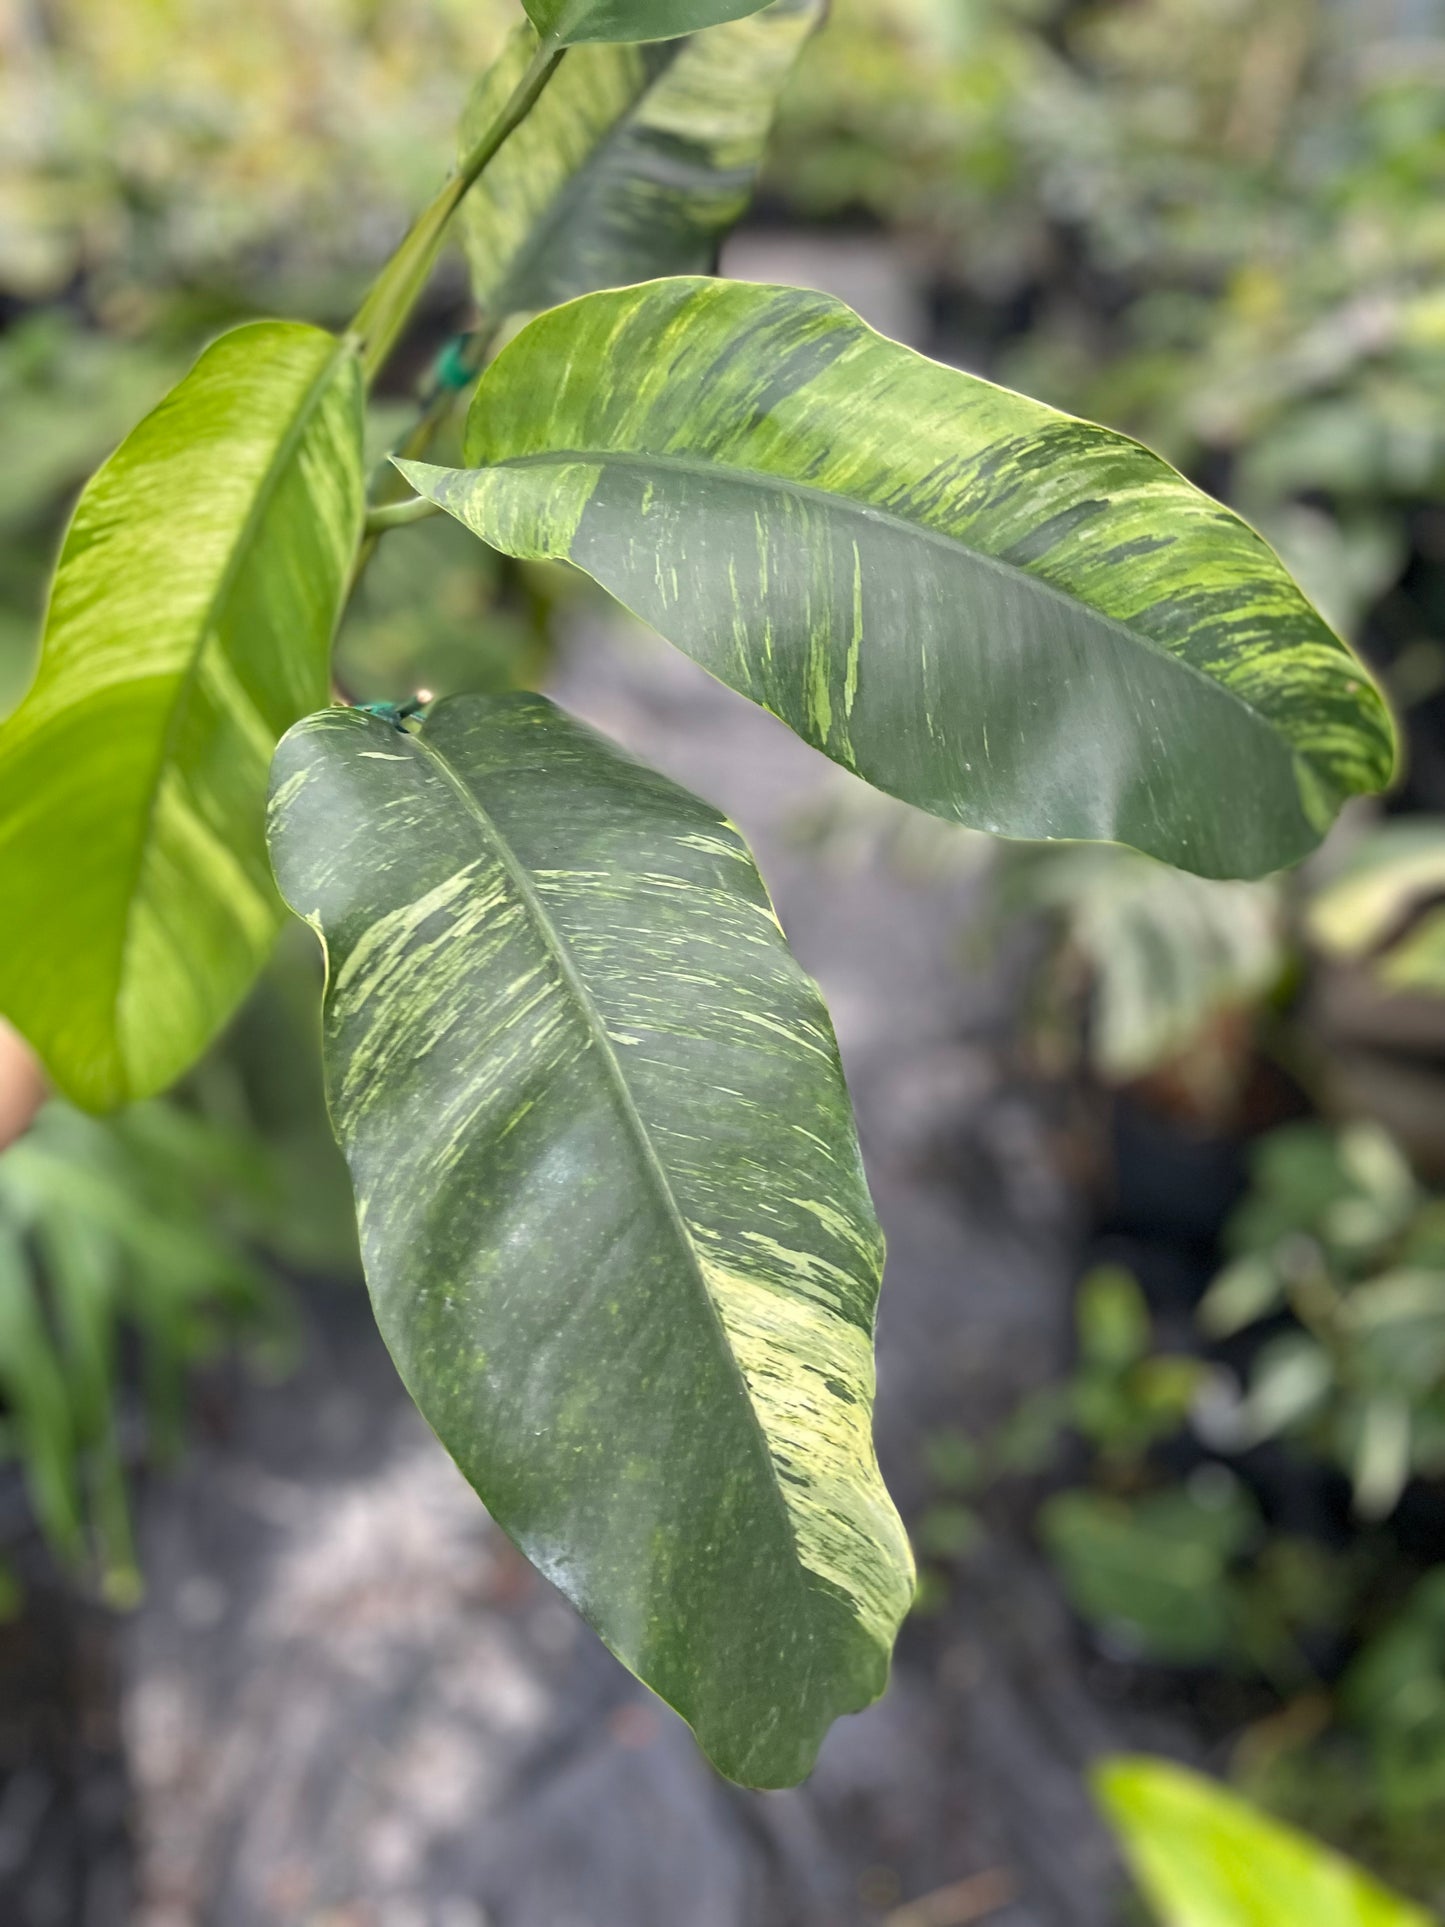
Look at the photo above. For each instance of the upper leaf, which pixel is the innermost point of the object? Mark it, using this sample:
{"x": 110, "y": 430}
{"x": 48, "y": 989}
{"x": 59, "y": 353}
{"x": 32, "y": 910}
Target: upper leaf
{"x": 189, "y": 625}
{"x": 613, "y": 1216}
{"x": 568, "y": 21}
{"x": 1207, "y": 1859}
{"x": 634, "y": 162}
{"x": 997, "y": 612}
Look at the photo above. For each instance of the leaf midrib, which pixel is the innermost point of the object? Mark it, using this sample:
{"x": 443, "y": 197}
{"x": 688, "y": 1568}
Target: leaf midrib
{"x": 768, "y": 481}
{"x": 556, "y": 945}
{"x": 255, "y": 514}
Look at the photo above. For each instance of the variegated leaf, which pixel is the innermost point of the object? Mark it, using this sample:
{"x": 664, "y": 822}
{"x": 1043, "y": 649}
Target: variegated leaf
{"x": 1004, "y": 615}
{"x": 612, "y": 1211}
{"x": 634, "y": 163}
{"x": 189, "y": 626}
{"x": 568, "y": 21}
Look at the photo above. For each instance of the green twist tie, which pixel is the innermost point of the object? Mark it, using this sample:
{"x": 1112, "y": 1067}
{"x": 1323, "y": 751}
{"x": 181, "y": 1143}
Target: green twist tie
{"x": 452, "y": 370}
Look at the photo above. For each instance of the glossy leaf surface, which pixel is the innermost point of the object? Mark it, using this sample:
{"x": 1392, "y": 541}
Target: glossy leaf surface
{"x": 999, "y": 613}
{"x": 188, "y": 627}
{"x": 570, "y": 21}
{"x": 1206, "y": 1858}
{"x": 612, "y": 1211}
{"x": 634, "y": 163}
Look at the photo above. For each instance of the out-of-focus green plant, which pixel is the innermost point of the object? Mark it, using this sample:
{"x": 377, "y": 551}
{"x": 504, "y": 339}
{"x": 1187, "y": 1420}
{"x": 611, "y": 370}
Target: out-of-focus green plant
{"x": 442, "y": 614}
{"x": 1279, "y": 172}
{"x": 1147, "y": 969}
{"x": 170, "y": 150}
{"x": 1337, "y": 1234}
{"x": 1121, "y": 1397}
{"x": 1336, "y": 1291}
{"x": 1205, "y": 1858}
{"x": 1394, "y": 1694}
{"x": 1144, "y": 957}
{"x": 908, "y": 117}
{"x": 1158, "y": 1573}
{"x": 1339, "y": 1254}
{"x": 1182, "y": 1573}
{"x": 1190, "y": 1574}
{"x": 128, "y": 1254}
{"x": 1140, "y": 964}
{"x": 133, "y": 1249}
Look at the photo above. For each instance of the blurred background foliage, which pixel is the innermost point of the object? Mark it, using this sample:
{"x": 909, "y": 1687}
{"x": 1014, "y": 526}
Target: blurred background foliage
{"x": 1217, "y": 225}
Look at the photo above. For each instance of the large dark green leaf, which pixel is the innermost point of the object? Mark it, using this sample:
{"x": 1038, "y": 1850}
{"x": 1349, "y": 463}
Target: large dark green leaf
{"x": 189, "y": 626}
{"x": 611, "y": 1206}
{"x": 569, "y": 21}
{"x": 634, "y": 163}
{"x": 997, "y": 612}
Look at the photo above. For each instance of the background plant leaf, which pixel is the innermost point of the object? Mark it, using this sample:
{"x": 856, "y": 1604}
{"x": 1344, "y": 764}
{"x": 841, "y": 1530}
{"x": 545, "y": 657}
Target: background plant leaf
{"x": 1153, "y": 1571}
{"x": 569, "y": 21}
{"x": 1383, "y": 906}
{"x": 1206, "y": 1858}
{"x": 634, "y": 163}
{"x": 612, "y": 1211}
{"x": 189, "y": 625}
{"x": 1166, "y": 952}
{"x": 997, "y": 612}
{"x": 114, "y": 1267}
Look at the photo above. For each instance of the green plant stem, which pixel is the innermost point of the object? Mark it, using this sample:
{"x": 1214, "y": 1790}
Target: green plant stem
{"x": 396, "y": 290}
{"x": 436, "y": 407}
{"x": 395, "y": 515}
{"x": 388, "y": 305}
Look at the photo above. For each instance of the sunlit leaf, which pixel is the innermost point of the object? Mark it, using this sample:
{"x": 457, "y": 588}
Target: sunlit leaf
{"x": 1206, "y": 1858}
{"x": 188, "y": 627}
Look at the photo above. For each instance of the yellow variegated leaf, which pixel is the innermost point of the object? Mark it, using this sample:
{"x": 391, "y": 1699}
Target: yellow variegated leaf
{"x": 189, "y": 626}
